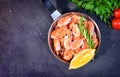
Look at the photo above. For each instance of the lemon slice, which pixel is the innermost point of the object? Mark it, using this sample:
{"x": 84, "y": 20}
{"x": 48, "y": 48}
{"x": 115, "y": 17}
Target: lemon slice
{"x": 82, "y": 58}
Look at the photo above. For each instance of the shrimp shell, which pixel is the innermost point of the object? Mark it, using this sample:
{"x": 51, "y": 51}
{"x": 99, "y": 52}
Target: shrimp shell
{"x": 64, "y": 21}
{"x": 59, "y": 32}
{"x": 57, "y": 46}
{"x": 67, "y": 42}
{"x": 75, "y": 30}
{"x": 90, "y": 26}
{"x": 85, "y": 45}
{"x": 76, "y": 44}
{"x": 78, "y": 50}
{"x": 68, "y": 55}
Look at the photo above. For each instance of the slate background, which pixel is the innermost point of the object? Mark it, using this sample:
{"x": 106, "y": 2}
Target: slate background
{"x": 24, "y": 50}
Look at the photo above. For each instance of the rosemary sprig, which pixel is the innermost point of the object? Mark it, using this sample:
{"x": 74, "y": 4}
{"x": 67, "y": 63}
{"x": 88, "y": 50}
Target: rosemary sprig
{"x": 86, "y": 34}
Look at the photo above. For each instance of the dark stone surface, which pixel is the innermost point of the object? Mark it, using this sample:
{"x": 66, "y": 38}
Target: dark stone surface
{"x": 24, "y": 51}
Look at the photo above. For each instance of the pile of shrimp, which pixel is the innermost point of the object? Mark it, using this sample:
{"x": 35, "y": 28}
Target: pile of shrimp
{"x": 67, "y": 38}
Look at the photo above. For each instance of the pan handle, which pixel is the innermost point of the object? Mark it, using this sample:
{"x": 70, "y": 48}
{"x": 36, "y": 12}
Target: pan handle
{"x": 53, "y": 11}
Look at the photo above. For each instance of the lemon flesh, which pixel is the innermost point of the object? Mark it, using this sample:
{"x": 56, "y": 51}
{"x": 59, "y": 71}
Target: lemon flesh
{"x": 82, "y": 58}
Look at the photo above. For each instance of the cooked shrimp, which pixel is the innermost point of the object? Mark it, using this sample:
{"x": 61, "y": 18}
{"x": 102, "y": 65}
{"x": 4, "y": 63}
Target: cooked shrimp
{"x": 57, "y": 46}
{"x": 75, "y": 30}
{"x": 77, "y": 51}
{"x": 68, "y": 54}
{"x": 95, "y": 40}
{"x": 75, "y": 17}
{"x": 64, "y": 31}
{"x": 64, "y": 21}
{"x": 67, "y": 42}
{"x": 84, "y": 46}
{"x": 55, "y": 33}
{"x": 62, "y": 41}
{"x": 94, "y": 35}
{"x": 85, "y": 23}
{"x": 90, "y": 26}
{"x": 59, "y": 32}
{"x": 76, "y": 44}
{"x": 76, "y": 38}
{"x": 75, "y": 20}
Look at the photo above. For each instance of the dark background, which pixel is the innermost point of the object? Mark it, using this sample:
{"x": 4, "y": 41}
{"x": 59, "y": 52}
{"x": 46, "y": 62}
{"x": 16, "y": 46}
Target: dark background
{"x": 24, "y": 50}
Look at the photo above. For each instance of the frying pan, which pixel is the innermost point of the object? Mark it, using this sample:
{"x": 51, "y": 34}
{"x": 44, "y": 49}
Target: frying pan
{"x": 56, "y": 15}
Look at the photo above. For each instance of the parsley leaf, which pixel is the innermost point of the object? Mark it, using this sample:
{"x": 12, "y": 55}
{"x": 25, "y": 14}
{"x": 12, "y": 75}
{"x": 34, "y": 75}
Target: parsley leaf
{"x": 102, "y": 8}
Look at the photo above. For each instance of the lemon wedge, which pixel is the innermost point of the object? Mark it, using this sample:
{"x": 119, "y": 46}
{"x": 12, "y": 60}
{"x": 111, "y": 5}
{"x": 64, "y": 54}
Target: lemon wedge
{"x": 82, "y": 58}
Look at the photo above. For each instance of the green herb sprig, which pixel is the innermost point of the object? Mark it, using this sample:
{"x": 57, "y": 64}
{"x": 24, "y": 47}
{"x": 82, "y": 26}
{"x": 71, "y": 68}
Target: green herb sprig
{"x": 102, "y": 8}
{"x": 86, "y": 34}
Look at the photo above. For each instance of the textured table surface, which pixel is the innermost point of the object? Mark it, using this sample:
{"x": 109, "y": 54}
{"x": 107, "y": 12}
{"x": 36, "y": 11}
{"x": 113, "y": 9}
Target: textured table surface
{"x": 24, "y": 50}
